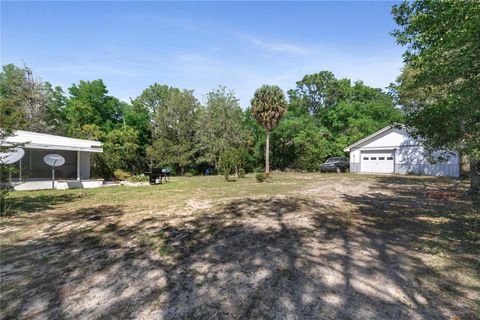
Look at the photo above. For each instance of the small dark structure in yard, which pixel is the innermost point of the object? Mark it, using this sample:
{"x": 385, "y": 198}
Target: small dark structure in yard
{"x": 156, "y": 175}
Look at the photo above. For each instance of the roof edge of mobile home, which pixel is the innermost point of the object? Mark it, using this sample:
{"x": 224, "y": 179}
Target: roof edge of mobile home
{"x": 35, "y": 140}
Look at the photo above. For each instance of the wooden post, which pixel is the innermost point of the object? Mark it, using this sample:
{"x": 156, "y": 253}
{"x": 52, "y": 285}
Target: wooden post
{"x": 78, "y": 165}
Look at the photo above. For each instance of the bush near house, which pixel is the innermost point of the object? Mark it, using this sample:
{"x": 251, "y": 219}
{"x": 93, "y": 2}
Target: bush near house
{"x": 138, "y": 178}
{"x": 121, "y": 174}
{"x": 261, "y": 177}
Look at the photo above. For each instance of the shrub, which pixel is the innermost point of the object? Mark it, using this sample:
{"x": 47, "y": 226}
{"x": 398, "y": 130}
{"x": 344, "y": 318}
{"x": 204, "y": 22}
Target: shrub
{"x": 121, "y": 174}
{"x": 188, "y": 174}
{"x": 241, "y": 173}
{"x": 227, "y": 162}
{"x": 138, "y": 178}
{"x": 261, "y": 177}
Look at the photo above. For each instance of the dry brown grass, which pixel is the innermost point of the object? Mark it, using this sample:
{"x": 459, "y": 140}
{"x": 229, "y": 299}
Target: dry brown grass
{"x": 304, "y": 246}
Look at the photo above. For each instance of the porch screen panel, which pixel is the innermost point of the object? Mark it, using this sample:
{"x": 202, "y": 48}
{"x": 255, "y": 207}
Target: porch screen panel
{"x": 36, "y": 168}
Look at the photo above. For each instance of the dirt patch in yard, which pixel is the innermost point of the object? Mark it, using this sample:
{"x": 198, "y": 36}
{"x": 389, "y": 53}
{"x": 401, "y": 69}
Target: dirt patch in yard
{"x": 338, "y": 188}
{"x": 378, "y": 248}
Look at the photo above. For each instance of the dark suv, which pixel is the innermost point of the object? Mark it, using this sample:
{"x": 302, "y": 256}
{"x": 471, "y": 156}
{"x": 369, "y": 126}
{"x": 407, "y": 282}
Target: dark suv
{"x": 337, "y": 164}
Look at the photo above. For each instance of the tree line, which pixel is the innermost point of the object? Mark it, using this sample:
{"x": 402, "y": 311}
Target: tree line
{"x": 168, "y": 127}
{"x": 437, "y": 96}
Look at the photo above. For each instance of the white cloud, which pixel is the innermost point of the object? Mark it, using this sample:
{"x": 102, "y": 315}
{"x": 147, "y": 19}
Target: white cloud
{"x": 278, "y": 47}
{"x": 88, "y": 70}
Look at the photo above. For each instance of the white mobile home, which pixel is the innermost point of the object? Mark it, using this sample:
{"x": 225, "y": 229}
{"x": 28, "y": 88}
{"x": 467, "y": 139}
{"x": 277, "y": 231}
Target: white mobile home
{"x": 33, "y": 173}
{"x": 393, "y": 150}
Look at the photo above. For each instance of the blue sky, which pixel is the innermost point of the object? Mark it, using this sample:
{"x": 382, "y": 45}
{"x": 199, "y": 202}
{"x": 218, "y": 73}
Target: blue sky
{"x": 200, "y": 45}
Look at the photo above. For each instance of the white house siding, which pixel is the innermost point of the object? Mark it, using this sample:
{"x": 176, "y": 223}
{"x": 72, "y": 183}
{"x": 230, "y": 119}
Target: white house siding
{"x": 84, "y": 165}
{"x": 355, "y": 160}
{"x": 408, "y": 155}
{"x": 413, "y": 161}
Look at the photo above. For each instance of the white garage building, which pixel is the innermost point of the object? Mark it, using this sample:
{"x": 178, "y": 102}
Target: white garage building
{"x": 393, "y": 150}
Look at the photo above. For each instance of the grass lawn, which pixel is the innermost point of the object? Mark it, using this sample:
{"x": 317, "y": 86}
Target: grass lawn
{"x": 306, "y": 246}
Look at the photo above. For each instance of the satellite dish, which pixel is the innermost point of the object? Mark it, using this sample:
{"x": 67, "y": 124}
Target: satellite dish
{"x": 54, "y": 160}
{"x": 12, "y": 156}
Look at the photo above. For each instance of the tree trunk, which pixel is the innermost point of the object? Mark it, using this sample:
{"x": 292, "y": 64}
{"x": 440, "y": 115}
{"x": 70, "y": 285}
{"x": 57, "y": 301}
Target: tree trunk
{"x": 267, "y": 154}
{"x": 474, "y": 177}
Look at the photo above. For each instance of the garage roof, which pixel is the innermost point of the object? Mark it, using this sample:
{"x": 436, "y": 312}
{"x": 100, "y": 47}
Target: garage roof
{"x": 34, "y": 140}
{"x": 373, "y": 135}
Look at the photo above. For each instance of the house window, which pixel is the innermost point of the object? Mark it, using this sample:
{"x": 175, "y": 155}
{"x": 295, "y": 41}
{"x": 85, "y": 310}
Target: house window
{"x": 365, "y": 158}
{"x": 381, "y": 158}
{"x": 389, "y": 158}
{"x": 373, "y": 158}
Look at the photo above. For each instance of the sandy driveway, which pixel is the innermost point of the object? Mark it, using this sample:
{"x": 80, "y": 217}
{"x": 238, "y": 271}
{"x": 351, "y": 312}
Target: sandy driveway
{"x": 379, "y": 248}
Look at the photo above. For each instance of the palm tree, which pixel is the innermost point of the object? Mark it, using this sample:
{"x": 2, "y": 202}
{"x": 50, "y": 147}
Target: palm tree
{"x": 268, "y": 107}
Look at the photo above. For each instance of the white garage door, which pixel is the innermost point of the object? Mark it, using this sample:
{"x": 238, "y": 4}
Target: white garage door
{"x": 380, "y": 161}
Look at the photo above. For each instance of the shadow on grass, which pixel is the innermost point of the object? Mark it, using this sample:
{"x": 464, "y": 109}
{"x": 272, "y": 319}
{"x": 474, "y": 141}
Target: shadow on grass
{"x": 37, "y": 203}
{"x": 266, "y": 258}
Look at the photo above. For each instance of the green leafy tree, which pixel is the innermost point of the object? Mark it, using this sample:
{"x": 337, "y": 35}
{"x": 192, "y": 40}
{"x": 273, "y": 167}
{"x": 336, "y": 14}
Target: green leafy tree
{"x": 145, "y": 108}
{"x": 90, "y": 113}
{"x": 55, "y": 113}
{"x": 439, "y": 88}
{"x": 255, "y": 147}
{"x": 138, "y": 118}
{"x": 313, "y": 147}
{"x": 241, "y": 156}
{"x": 89, "y": 132}
{"x": 24, "y": 103}
{"x": 359, "y": 92}
{"x": 90, "y": 104}
{"x": 299, "y": 141}
{"x": 220, "y": 126}
{"x": 173, "y": 128}
{"x": 231, "y": 161}
{"x": 10, "y": 117}
{"x": 319, "y": 91}
{"x": 325, "y": 115}
{"x": 6, "y": 131}
{"x": 268, "y": 107}
{"x": 351, "y": 121}
{"x": 32, "y": 97}
{"x": 153, "y": 98}
{"x": 121, "y": 149}
{"x": 144, "y": 114}
{"x": 227, "y": 161}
